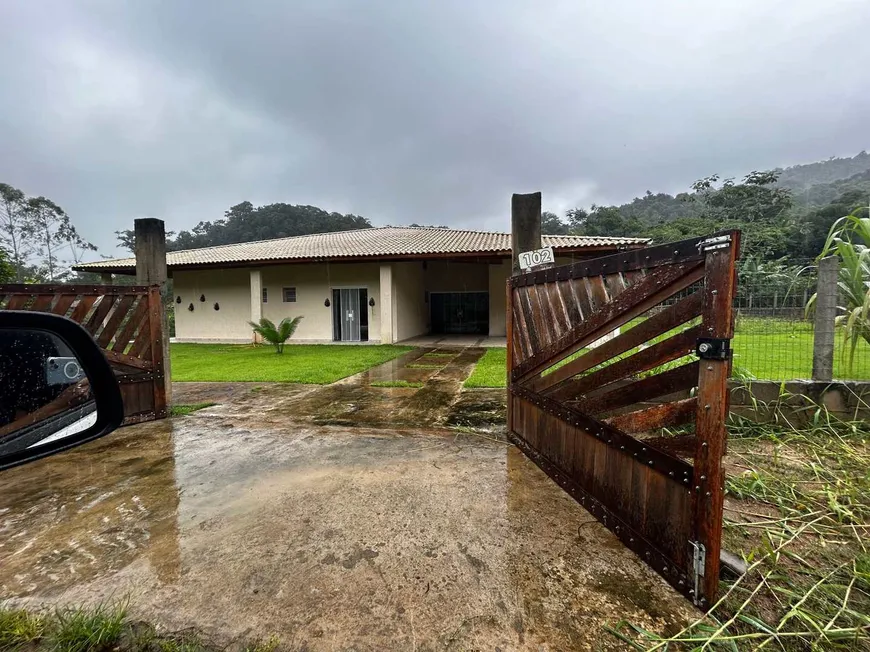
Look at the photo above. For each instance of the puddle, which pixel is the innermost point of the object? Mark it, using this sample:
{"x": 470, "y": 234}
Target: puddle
{"x": 250, "y": 516}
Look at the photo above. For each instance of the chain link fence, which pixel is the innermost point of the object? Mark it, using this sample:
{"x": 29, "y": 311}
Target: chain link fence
{"x": 775, "y": 333}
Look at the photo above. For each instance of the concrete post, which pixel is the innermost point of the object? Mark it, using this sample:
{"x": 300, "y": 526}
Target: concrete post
{"x": 106, "y": 278}
{"x": 826, "y": 314}
{"x": 525, "y": 226}
{"x": 386, "y": 300}
{"x": 150, "y": 239}
{"x": 256, "y": 300}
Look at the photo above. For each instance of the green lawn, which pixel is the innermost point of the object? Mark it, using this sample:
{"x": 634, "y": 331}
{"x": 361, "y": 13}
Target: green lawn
{"x": 764, "y": 349}
{"x": 491, "y": 370}
{"x": 300, "y": 363}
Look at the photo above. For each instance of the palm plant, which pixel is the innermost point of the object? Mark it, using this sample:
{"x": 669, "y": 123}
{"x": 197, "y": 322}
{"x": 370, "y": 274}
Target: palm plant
{"x": 276, "y": 335}
{"x": 849, "y": 239}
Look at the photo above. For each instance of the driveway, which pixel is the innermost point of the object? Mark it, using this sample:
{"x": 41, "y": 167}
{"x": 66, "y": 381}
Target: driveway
{"x": 339, "y": 517}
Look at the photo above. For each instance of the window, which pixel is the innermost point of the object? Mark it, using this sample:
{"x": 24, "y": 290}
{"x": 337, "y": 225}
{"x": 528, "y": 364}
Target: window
{"x": 289, "y": 295}
{"x": 265, "y": 295}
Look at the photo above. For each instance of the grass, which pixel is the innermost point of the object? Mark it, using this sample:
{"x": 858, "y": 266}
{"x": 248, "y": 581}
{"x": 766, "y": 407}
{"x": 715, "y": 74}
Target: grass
{"x": 82, "y": 630}
{"x": 490, "y": 371}
{"x": 764, "y": 349}
{"x": 102, "y": 628}
{"x": 182, "y": 410}
{"x": 318, "y": 364}
{"x": 799, "y": 513}
{"x": 395, "y": 383}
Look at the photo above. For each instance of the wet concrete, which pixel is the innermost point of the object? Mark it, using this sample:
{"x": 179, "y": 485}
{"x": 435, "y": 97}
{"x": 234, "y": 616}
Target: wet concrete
{"x": 251, "y": 518}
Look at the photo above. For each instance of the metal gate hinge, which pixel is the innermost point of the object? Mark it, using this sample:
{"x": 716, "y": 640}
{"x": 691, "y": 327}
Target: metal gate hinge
{"x": 713, "y": 348}
{"x": 718, "y": 242}
{"x": 699, "y": 563}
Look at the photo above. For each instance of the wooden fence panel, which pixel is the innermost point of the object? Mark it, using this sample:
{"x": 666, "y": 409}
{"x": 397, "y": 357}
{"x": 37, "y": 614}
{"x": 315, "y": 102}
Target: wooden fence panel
{"x": 125, "y": 323}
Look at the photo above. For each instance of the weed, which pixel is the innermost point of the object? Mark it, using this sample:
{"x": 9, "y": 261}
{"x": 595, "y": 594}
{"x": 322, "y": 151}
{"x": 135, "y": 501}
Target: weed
{"x": 269, "y": 645}
{"x": 799, "y": 511}
{"x": 18, "y": 628}
{"x": 395, "y": 383}
{"x": 423, "y": 366}
{"x": 87, "y": 630}
{"x": 182, "y": 410}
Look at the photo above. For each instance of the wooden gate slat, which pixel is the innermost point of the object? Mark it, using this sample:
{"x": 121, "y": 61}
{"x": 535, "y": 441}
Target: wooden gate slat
{"x": 137, "y": 317}
{"x": 656, "y": 417}
{"x": 83, "y": 307}
{"x": 63, "y": 304}
{"x": 665, "y": 320}
{"x": 42, "y": 302}
{"x": 665, "y": 351}
{"x": 668, "y": 382}
{"x": 18, "y": 302}
{"x": 122, "y": 307}
{"x": 659, "y": 285}
{"x": 95, "y": 321}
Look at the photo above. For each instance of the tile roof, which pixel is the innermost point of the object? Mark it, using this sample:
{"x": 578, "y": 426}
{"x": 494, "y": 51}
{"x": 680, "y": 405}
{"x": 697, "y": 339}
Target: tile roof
{"x": 382, "y": 242}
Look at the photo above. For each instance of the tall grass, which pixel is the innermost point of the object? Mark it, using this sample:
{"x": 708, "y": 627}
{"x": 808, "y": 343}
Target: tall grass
{"x": 799, "y": 513}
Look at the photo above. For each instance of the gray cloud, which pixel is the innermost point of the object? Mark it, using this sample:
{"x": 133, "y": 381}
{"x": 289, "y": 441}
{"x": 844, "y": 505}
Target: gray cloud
{"x": 414, "y": 111}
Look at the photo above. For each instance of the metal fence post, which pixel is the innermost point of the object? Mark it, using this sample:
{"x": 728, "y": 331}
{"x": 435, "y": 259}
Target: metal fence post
{"x": 826, "y": 313}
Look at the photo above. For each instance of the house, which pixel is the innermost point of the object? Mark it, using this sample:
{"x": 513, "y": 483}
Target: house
{"x": 383, "y": 284}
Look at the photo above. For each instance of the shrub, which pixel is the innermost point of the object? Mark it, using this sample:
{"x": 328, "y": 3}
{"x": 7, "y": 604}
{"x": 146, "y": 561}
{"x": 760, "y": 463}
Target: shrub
{"x": 276, "y": 336}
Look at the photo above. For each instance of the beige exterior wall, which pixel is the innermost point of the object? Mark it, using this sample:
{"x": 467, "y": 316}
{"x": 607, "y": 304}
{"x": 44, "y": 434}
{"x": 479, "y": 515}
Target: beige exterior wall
{"x": 498, "y": 276}
{"x": 229, "y": 288}
{"x": 403, "y": 303}
{"x": 443, "y": 276}
{"x": 410, "y": 310}
{"x": 314, "y": 283}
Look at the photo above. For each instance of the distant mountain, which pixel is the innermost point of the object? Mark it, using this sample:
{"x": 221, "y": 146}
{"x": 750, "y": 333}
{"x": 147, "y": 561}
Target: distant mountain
{"x": 800, "y": 177}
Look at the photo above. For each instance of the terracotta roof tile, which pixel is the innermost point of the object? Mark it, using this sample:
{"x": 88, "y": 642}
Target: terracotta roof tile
{"x": 380, "y": 242}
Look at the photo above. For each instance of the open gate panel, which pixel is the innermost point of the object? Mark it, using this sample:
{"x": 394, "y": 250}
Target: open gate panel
{"x": 603, "y": 355}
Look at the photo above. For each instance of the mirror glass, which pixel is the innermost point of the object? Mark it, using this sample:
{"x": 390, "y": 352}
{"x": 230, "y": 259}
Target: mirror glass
{"x": 45, "y": 395}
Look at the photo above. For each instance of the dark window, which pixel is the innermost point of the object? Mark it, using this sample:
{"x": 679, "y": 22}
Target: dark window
{"x": 289, "y": 295}
{"x": 265, "y": 295}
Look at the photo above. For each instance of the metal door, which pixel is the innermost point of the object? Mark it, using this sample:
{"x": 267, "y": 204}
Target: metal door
{"x": 593, "y": 417}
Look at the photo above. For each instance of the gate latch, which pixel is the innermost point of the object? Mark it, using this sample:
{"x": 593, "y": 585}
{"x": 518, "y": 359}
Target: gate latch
{"x": 713, "y": 348}
{"x": 699, "y": 554}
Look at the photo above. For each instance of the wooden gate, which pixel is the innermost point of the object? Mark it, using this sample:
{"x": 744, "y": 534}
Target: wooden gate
{"x": 125, "y": 323}
{"x": 589, "y": 403}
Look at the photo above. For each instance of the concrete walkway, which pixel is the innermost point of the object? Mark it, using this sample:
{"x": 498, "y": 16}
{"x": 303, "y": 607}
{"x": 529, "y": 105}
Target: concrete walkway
{"x": 383, "y": 530}
{"x": 455, "y": 341}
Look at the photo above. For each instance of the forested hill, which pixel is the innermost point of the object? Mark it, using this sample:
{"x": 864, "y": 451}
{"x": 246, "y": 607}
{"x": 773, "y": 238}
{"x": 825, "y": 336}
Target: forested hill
{"x": 801, "y": 177}
{"x": 245, "y": 223}
{"x": 784, "y": 213}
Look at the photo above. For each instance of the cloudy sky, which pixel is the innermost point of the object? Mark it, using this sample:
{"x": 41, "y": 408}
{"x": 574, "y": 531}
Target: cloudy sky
{"x": 415, "y": 111}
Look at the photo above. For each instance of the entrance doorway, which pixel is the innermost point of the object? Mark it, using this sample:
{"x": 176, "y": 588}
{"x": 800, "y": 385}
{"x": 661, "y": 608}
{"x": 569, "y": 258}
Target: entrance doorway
{"x": 465, "y": 313}
{"x": 350, "y": 315}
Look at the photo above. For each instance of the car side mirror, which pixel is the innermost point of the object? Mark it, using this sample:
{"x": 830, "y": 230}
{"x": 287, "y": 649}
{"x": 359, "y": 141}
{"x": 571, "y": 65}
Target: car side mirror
{"x": 57, "y": 390}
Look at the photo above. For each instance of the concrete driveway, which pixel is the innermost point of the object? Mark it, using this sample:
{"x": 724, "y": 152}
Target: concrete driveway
{"x": 338, "y": 518}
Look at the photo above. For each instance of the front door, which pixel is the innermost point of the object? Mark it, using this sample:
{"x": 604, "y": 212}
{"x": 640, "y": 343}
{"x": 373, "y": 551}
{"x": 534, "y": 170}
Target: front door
{"x": 350, "y": 315}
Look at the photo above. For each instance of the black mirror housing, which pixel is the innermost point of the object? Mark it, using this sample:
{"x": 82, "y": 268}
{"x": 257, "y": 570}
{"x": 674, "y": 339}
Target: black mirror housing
{"x": 57, "y": 390}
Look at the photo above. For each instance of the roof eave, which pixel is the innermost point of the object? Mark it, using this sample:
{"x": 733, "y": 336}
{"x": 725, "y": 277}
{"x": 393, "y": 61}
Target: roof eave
{"x": 262, "y": 262}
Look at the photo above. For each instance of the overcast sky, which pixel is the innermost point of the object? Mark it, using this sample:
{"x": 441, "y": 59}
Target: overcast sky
{"x": 415, "y": 111}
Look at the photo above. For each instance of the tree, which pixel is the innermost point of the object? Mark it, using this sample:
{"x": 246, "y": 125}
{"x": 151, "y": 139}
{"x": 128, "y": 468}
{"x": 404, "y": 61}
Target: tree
{"x": 13, "y": 220}
{"x": 601, "y": 221}
{"x": 276, "y": 335}
{"x": 52, "y": 231}
{"x": 551, "y": 224}
{"x": 245, "y": 223}
{"x": 7, "y": 269}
